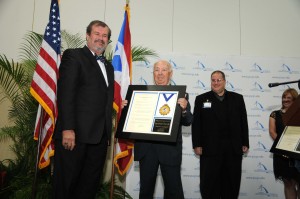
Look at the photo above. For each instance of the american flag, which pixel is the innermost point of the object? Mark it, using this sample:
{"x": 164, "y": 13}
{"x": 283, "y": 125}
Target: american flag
{"x": 122, "y": 61}
{"x": 43, "y": 85}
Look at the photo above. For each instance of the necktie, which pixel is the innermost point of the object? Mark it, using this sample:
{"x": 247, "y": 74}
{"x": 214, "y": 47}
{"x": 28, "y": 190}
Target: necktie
{"x": 101, "y": 58}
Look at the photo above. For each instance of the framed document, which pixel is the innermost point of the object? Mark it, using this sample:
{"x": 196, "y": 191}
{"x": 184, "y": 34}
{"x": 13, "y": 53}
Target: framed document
{"x": 288, "y": 143}
{"x": 152, "y": 113}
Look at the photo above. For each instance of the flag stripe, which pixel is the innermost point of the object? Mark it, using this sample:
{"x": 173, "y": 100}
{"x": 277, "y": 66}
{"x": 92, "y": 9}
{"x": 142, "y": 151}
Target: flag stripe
{"x": 43, "y": 85}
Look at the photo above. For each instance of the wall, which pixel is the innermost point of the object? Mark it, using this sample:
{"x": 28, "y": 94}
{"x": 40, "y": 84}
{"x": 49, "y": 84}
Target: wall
{"x": 218, "y": 27}
{"x": 247, "y": 75}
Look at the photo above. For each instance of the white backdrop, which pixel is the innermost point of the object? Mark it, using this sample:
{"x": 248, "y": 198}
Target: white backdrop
{"x": 246, "y": 75}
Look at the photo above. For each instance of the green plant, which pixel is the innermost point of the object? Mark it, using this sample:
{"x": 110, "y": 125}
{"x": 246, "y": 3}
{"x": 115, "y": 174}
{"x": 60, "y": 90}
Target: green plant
{"x": 15, "y": 79}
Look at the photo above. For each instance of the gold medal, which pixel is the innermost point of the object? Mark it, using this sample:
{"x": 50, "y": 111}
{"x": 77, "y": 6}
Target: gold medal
{"x": 164, "y": 110}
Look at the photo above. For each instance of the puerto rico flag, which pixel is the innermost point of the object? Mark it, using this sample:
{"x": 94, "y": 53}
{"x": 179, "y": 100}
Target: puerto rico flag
{"x": 122, "y": 63}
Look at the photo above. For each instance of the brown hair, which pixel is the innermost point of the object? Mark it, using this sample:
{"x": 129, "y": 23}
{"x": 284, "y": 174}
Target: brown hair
{"x": 291, "y": 91}
{"x": 218, "y": 71}
{"x": 97, "y": 23}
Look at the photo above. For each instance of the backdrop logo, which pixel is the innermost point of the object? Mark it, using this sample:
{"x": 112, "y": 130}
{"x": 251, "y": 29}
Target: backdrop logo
{"x": 174, "y": 65}
{"x": 284, "y": 87}
{"x": 202, "y": 66}
{"x": 172, "y": 82}
{"x": 137, "y": 187}
{"x": 142, "y": 81}
{"x": 259, "y": 127}
{"x": 145, "y": 64}
{"x": 231, "y": 87}
{"x": 136, "y": 166}
{"x": 288, "y": 69}
{"x": 258, "y": 68}
{"x": 258, "y": 106}
{"x": 201, "y": 85}
{"x": 243, "y": 194}
{"x": 259, "y": 87}
{"x": 263, "y": 191}
{"x": 262, "y": 168}
{"x": 230, "y": 67}
{"x": 197, "y": 166}
{"x": 197, "y": 189}
{"x": 261, "y": 147}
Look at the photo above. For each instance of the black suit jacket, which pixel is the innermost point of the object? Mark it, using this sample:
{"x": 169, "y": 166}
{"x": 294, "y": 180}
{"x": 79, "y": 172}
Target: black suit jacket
{"x": 84, "y": 100}
{"x": 206, "y": 132}
{"x": 168, "y": 153}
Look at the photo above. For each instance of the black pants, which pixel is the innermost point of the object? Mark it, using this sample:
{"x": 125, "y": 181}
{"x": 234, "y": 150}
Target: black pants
{"x": 220, "y": 176}
{"x": 170, "y": 174}
{"x": 77, "y": 173}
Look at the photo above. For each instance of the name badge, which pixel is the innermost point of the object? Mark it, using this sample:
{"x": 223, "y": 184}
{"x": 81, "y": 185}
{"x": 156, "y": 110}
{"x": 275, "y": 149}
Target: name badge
{"x": 207, "y": 105}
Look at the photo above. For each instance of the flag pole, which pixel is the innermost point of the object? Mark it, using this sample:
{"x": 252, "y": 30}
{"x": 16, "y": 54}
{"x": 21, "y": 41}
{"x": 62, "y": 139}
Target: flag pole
{"x": 118, "y": 110}
{"x": 112, "y": 162}
{"x": 33, "y": 190}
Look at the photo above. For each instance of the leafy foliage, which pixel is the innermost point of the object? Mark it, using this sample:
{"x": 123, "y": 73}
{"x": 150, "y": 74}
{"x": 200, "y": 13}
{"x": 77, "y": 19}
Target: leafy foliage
{"x": 15, "y": 79}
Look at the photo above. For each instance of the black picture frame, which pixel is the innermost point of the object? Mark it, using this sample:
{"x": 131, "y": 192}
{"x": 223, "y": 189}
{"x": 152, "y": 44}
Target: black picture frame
{"x": 171, "y": 127}
{"x": 290, "y": 153}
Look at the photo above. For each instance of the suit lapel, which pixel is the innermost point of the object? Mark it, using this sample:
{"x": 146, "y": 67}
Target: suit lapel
{"x": 94, "y": 62}
{"x": 229, "y": 101}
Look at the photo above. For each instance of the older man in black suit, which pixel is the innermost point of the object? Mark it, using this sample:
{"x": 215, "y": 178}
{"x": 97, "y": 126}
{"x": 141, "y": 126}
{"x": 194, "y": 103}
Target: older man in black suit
{"x": 168, "y": 156}
{"x": 83, "y": 129}
{"x": 220, "y": 137}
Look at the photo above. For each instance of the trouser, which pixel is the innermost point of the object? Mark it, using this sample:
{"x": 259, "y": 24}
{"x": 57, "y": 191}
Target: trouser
{"x": 77, "y": 173}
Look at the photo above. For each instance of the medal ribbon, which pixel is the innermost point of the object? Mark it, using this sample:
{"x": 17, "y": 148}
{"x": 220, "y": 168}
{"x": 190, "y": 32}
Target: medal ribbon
{"x": 167, "y": 98}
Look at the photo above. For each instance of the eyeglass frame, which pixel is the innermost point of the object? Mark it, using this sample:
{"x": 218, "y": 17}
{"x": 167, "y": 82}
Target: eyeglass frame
{"x": 216, "y": 80}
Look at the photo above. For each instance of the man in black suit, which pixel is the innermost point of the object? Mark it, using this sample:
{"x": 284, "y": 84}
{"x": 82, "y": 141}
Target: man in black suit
{"x": 83, "y": 129}
{"x": 220, "y": 137}
{"x": 168, "y": 156}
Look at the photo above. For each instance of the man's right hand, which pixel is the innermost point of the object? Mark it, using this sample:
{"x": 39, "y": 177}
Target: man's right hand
{"x": 68, "y": 139}
{"x": 198, "y": 150}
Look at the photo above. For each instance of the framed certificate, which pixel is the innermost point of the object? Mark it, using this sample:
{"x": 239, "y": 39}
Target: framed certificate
{"x": 288, "y": 143}
{"x": 152, "y": 113}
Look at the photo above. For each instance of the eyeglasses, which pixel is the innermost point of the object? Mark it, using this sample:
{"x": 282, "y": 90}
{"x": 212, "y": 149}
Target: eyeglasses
{"x": 216, "y": 80}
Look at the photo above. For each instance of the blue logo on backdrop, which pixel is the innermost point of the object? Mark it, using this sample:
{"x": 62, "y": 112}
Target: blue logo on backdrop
{"x": 262, "y": 168}
{"x": 258, "y": 68}
{"x": 136, "y": 166}
{"x": 137, "y": 187}
{"x": 259, "y": 127}
{"x": 174, "y": 65}
{"x": 261, "y": 147}
{"x": 142, "y": 81}
{"x": 202, "y": 67}
{"x": 201, "y": 85}
{"x": 230, "y": 67}
{"x": 198, "y": 166}
{"x": 284, "y": 87}
{"x": 288, "y": 69}
{"x": 197, "y": 189}
{"x": 172, "y": 82}
{"x": 243, "y": 194}
{"x": 258, "y": 87}
{"x": 231, "y": 87}
{"x": 145, "y": 64}
{"x": 264, "y": 192}
{"x": 258, "y": 106}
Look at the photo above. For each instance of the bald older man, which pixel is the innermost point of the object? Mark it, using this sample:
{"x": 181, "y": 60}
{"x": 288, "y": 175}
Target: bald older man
{"x": 166, "y": 155}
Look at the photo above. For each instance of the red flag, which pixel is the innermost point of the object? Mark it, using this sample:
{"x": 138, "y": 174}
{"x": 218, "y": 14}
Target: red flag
{"x": 122, "y": 62}
{"x": 43, "y": 85}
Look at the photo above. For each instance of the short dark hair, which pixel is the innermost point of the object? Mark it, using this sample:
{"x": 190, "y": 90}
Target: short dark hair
{"x": 218, "y": 71}
{"x": 97, "y": 23}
